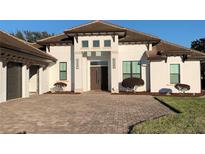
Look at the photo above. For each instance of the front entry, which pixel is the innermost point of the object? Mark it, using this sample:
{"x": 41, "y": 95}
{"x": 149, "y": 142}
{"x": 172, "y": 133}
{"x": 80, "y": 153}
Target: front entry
{"x": 99, "y": 78}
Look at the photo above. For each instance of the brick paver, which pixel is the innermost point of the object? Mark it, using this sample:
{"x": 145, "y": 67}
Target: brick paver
{"x": 83, "y": 113}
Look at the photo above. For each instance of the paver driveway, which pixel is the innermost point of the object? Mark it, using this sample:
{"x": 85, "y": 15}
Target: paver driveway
{"x": 83, "y": 113}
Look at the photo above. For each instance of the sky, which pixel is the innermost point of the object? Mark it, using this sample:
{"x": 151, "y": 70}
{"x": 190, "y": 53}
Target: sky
{"x": 181, "y": 32}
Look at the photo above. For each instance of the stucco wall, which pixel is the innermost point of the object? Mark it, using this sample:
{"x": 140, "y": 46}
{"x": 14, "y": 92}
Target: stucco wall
{"x": 189, "y": 74}
{"x": 25, "y": 81}
{"x": 33, "y": 77}
{"x": 43, "y": 80}
{"x": 134, "y": 53}
{"x": 62, "y": 54}
{"x": 2, "y": 82}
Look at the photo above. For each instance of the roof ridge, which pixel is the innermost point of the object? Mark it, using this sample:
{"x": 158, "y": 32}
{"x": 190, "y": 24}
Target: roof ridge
{"x": 85, "y": 24}
{"x": 95, "y": 21}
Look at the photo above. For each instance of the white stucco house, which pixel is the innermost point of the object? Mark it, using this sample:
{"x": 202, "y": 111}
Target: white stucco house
{"x": 95, "y": 56}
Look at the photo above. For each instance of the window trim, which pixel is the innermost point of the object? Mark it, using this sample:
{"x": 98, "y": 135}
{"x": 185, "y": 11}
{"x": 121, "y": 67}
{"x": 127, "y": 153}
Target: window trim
{"x": 179, "y": 74}
{"x": 107, "y": 46}
{"x": 97, "y": 46}
{"x": 62, "y": 71}
{"x": 85, "y": 41}
{"x": 131, "y": 76}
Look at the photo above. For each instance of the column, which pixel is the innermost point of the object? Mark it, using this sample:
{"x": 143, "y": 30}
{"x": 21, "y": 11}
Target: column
{"x": 40, "y": 73}
{"x": 25, "y": 81}
{"x": 3, "y": 81}
{"x": 114, "y": 72}
{"x": 78, "y": 79}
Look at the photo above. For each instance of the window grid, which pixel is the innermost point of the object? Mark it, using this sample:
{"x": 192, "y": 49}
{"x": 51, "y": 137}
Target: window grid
{"x": 96, "y": 43}
{"x": 63, "y": 71}
{"x": 107, "y": 43}
{"x": 131, "y": 69}
{"x": 174, "y": 73}
{"x": 85, "y": 44}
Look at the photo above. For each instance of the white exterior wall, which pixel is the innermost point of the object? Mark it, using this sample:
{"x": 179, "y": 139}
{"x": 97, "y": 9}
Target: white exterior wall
{"x": 25, "y": 81}
{"x": 43, "y": 80}
{"x": 2, "y": 82}
{"x": 62, "y": 54}
{"x": 134, "y": 53}
{"x": 33, "y": 83}
{"x": 189, "y": 74}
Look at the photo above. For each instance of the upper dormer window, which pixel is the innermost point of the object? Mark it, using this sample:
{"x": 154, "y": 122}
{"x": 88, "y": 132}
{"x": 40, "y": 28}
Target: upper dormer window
{"x": 85, "y": 44}
{"x": 107, "y": 43}
{"x": 96, "y": 43}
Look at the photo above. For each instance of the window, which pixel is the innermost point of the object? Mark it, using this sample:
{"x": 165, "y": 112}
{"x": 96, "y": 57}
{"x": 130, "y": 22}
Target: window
{"x": 98, "y": 53}
{"x": 131, "y": 69}
{"x": 89, "y": 54}
{"x": 174, "y": 73}
{"x": 107, "y": 43}
{"x": 96, "y": 43}
{"x": 114, "y": 63}
{"x": 85, "y": 44}
{"x": 63, "y": 71}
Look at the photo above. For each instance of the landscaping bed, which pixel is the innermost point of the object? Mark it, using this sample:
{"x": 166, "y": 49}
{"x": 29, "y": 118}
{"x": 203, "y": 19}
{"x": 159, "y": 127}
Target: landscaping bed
{"x": 190, "y": 120}
{"x": 62, "y": 92}
{"x": 161, "y": 94}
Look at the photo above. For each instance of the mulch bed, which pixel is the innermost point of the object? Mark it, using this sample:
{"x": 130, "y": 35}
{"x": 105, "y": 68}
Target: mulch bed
{"x": 62, "y": 92}
{"x": 159, "y": 94}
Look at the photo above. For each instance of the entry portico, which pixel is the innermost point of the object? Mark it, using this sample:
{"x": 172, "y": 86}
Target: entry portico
{"x": 88, "y": 58}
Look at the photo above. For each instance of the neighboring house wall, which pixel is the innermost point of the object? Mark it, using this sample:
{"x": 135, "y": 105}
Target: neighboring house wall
{"x": 2, "y": 82}
{"x": 134, "y": 53}
{"x": 62, "y": 54}
{"x": 189, "y": 74}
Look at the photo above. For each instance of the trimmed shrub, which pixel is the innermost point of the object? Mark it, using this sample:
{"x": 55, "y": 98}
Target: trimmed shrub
{"x": 182, "y": 87}
{"x": 58, "y": 87}
{"x": 132, "y": 83}
{"x": 60, "y": 84}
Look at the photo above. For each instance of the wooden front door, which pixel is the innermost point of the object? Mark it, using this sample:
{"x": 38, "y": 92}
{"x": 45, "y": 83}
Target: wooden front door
{"x": 99, "y": 78}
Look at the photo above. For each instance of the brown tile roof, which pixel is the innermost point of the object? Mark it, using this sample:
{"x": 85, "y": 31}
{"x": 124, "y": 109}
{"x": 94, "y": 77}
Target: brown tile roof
{"x": 164, "y": 48}
{"x": 11, "y": 42}
{"x": 135, "y": 36}
{"x": 102, "y": 26}
{"x": 36, "y": 45}
{"x": 96, "y": 26}
{"x": 55, "y": 39}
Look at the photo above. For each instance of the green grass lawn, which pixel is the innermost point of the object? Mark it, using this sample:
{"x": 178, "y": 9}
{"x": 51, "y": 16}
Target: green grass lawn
{"x": 190, "y": 120}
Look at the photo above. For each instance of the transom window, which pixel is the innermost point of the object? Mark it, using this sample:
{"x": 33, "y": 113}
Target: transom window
{"x": 131, "y": 69}
{"x": 96, "y": 43}
{"x": 85, "y": 44}
{"x": 107, "y": 43}
{"x": 174, "y": 73}
{"x": 63, "y": 71}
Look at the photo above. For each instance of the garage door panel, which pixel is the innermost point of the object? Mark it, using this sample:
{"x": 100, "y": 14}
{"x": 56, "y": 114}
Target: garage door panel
{"x": 14, "y": 80}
